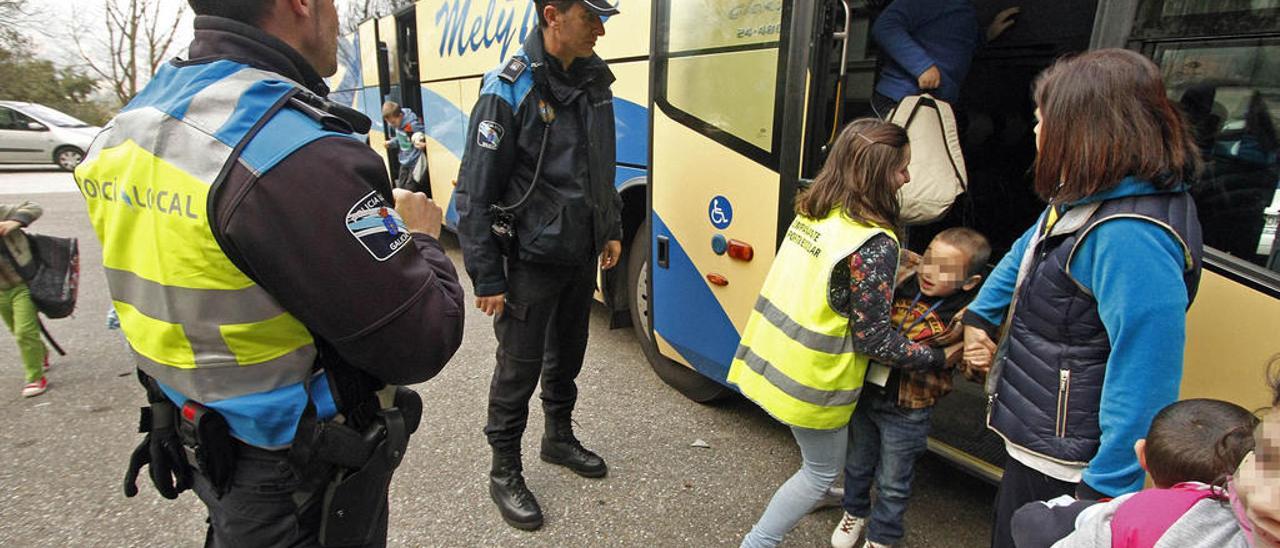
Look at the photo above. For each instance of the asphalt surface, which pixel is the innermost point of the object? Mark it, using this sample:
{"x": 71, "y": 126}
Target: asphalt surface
{"x": 63, "y": 454}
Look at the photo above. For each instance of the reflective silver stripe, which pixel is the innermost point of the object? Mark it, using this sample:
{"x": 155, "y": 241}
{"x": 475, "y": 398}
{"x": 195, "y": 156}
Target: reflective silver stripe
{"x": 186, "y": 306}
{"x": 200, "y": 312}
{"x": 818, "y": 342}
{"x": 212, "y": 107}
{"x": 188, "y": 144}
{"x": 169, "y": 139}
{"x": 807, "y": 394}
{"x": 206, "y": 384}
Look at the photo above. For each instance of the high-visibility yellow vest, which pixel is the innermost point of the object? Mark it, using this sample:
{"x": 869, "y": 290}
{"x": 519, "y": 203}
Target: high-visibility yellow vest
{"x": 195, "y": 322}
{"x": 796, "y": 358}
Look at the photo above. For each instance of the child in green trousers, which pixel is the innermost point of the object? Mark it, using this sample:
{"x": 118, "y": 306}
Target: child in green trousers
{"x": 16, "y": 307}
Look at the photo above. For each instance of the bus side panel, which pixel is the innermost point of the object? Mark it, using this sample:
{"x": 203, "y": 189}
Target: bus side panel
{"x": 1231, "y": 335}
{"x": 631, "y": 118}
{"x": 702, "y": 322}
{"x": 444, "y": 115}
{"x": 346, "y": 83}
{"x": 464, "y": 38}
{"x": 369, "y": 101}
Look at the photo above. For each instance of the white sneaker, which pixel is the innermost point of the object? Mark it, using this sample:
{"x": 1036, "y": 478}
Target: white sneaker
{"x": 847, "y": 531}
{"x": 870, "y": 544}
{"x": 33, "y": 389}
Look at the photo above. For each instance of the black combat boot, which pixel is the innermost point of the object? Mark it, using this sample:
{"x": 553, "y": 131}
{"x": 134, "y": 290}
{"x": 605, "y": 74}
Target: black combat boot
{"x": 559, "y": 446}
{"x": 506, "y": 487}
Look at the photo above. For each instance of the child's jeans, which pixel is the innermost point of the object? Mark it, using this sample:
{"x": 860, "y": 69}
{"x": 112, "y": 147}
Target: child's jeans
{"x": 884, "y": 442}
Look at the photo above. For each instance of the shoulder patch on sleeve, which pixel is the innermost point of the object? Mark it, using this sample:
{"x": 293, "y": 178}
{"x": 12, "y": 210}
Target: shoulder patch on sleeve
{"x": 377, "y": 226}
{"x": 512, "y": 70}
{"x": 489, "y": 134}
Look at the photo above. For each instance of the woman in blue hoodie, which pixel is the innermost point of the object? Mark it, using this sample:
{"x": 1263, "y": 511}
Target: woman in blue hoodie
{"x": 1095, "y": 293}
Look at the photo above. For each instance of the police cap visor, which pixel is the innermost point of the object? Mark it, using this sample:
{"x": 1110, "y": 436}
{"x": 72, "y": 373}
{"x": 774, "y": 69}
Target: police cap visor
{"x": 602, "y": 8}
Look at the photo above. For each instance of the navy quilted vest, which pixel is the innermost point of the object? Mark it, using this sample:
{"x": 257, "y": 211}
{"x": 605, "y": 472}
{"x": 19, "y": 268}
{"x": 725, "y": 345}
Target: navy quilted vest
{"x": 1049, "y": 371}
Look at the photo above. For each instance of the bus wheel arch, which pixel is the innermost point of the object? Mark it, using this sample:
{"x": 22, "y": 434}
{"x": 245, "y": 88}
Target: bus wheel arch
{"x": 690, "y": 383}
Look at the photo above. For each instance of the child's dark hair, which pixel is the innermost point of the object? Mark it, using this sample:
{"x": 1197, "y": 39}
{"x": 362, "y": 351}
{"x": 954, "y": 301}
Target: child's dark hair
{"x": 972, "y": 243}
{"x": 1198, "y": 440}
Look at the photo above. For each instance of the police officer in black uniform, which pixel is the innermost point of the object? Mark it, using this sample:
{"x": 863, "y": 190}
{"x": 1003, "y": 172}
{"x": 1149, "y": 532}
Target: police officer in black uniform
{"x": 537, "y": 206}
{"x": 305, "y": 211}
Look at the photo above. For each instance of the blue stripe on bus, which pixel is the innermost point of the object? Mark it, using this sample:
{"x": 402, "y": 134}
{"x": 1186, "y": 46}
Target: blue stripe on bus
{"x": 349, "y": 59}
{"x": 451, "y": 215}
{"x": 444, "y": 122}
{"x": 632, "y": 129}
{"x": 447, "y": 124}
{"x": 371, "y": 106}
{"x": 625, "y": 174}
{"x": 688, "y": 315}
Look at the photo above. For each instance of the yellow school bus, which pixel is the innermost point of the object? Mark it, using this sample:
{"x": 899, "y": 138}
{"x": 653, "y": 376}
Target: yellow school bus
{"x": 724, "y": 107}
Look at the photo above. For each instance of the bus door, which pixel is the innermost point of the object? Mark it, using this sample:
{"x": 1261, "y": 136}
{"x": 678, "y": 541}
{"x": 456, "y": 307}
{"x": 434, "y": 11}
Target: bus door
{"x": 729, "y": 81}
{"x": 388, "y": 80}
{"x": 407, "y": 58}
{"x": 373, "y": 71}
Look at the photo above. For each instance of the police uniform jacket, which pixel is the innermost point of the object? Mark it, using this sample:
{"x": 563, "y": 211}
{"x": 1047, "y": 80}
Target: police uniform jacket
{"x": 378, "y": 313}
{"x": 574, "y": 209}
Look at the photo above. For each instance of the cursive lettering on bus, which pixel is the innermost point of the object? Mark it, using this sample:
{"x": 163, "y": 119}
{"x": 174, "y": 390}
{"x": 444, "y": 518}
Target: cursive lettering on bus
{"x": 463, "y": 31}
{"x": 755, "y": 7}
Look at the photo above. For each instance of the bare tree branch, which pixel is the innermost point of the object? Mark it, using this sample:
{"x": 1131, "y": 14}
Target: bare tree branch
{"x": 139, "y": 38}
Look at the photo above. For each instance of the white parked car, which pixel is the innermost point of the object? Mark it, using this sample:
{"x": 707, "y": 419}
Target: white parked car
{"x": 31, "y": 133}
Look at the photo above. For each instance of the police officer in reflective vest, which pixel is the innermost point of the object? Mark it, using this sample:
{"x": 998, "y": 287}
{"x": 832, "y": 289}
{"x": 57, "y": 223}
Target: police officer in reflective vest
{"x": 536, "y": 185}
{"x": 272, "y": 287}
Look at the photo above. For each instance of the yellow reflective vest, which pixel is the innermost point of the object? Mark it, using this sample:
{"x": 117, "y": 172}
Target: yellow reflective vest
{"x": 796, "y": 358}
{"x": 195, "y": 322}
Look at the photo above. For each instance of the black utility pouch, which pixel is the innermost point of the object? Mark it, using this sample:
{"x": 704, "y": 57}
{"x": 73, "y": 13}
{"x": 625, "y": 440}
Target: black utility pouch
{"x": 209, "y": 445}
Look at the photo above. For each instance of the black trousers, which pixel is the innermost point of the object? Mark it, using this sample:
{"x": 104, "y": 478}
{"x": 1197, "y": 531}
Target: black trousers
{"x": 259, "y": 509}
{"x": 1019, "y": 486}
{"x": 542, "y": 333}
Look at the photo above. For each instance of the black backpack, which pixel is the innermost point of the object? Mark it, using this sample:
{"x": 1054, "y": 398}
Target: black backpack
{"x": 53, "y": 277}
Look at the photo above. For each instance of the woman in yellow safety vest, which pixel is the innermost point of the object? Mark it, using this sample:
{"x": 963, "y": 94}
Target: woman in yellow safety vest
{"x": 806, "y": 347}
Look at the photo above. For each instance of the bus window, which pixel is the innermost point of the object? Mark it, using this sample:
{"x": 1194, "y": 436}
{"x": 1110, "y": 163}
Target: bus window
{"x": 721, "y": 66}
{"x": 1230, "y": 91}
{"x": 1172, "y": 18}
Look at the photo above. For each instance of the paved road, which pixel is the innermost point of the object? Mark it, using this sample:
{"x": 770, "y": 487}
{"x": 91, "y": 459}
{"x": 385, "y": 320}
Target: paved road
{"x": 62, "y": 454}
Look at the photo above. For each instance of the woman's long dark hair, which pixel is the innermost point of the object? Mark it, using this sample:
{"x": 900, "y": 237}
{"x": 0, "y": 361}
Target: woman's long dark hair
{"x": 1104, "y": 116}
{"x": 858, "y": 175}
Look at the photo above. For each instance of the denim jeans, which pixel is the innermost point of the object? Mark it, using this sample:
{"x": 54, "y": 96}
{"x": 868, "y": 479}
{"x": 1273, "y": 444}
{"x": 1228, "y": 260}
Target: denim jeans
{"x": 823, "y": 452}
{"x": 884, "y": 442}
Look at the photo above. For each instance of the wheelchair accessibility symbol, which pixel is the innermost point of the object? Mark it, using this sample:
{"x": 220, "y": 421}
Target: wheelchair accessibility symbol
{"x": 720, "y": 212}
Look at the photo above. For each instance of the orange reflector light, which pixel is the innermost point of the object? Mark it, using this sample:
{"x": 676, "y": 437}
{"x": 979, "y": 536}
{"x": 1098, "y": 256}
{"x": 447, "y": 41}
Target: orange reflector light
{"x": 718, "y": 279}
{"x": 741, "y": 250}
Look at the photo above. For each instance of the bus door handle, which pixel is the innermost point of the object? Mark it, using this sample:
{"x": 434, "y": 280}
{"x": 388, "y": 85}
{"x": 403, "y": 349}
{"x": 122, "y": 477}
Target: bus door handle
{"x": 664, "y": 252}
